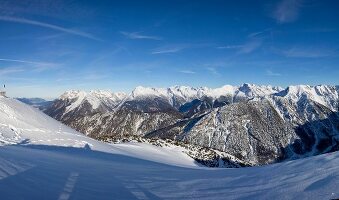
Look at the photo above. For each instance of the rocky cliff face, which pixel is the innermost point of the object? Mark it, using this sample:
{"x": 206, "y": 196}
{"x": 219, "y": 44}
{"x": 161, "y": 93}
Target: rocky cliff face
{"x": 256, "y": 124}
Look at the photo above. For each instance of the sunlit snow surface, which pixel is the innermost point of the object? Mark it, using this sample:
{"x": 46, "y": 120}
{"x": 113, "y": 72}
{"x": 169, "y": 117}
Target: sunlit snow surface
{"x": 43, "y": 159}
{"x": 25, "y": 125}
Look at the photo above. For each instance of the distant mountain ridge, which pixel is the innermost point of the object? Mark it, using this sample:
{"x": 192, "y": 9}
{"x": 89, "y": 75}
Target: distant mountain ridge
{"x": 39, "y": 103}
{"x": 257, "y": 124}
{"x": 175, "y": 96}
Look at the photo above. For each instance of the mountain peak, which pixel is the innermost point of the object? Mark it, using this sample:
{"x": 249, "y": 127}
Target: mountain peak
{"x": 148, "y": 91}
{"x": 322, "y": 94}
{"x": 72, "y": 94}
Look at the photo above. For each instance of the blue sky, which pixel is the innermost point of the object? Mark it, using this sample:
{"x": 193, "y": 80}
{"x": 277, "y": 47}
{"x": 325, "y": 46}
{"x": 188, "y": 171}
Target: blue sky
{"x": 49, "y": 46}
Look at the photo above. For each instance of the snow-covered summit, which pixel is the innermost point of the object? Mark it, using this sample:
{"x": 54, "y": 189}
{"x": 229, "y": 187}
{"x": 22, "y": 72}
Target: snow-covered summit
{"x": 251, "y": 90}
{"x": 190, "y": 93}
{"x": 222, "y": 91}
{"x": 322, "y": 94}
{"x": 95, "y": 98}
{"x": 187, "y": 92}
{"x": 177, "y": 96}
{"x": 72, "y": 94}
{"x": 141, "y": 91}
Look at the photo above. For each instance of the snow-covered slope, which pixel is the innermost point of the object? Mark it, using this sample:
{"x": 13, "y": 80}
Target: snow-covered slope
{"x": 25, "y": 125}
{"x": 43, "y": 159}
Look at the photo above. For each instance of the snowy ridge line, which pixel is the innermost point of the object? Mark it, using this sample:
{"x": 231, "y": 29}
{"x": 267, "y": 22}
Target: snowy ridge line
{"x": 322, "y": 94}
{"x": 95, "y": 98}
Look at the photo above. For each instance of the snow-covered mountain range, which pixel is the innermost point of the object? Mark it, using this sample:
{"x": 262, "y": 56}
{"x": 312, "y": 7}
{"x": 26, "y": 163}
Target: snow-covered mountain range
{"x": 179, "y": 95}
{"x": 40, "y": 158}
{"x": 256, "y": 124}
{"x": 173, "y": 96}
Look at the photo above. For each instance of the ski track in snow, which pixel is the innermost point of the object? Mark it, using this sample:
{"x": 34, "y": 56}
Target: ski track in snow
{"x": 9, "y": 167}
{"x": 69, "y": 186}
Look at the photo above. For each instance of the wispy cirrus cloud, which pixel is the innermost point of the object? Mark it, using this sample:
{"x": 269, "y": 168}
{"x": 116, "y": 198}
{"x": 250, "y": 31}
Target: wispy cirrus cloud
{"x": 36, "y": 66}
{"x": 287, "y": 11}
{"x": 49, "y": 26}
{"x": 169, "y": 49}
{"x": 248, "y": 47}
{"x": 174, "y": 48}
{"x": 253, "y": 42}
{"x": 271, "y": 73}
{"x": 138, "y": 35}
{"x": 213, "y": 71}
{"x": 259, "y": 33}
{"x": 11, "y": 70}
{"x": 231, "y": 47}
{"x": 22, "y": 61}
{"x": 187, "y": 72}
{"x": 309, "y": 52}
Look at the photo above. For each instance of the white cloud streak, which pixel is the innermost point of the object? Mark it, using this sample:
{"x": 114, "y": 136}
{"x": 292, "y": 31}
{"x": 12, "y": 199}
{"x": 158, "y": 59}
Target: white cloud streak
{"x": 213, "y": 70}
{"x": 137, "y": 35}
{"x": 246, "y": 48}
{"x": 22, "y": 61}
{"x": 174, "y": 48}
{"x": 250, "y": 46}
{"x": 271, "y": 73}
{"x": 231, "y": 47}
{"x": 49, "y": 26}
{"x": 11, "y": 70}
{"x": 287, "y": 11}
{"x": 36, "y": 66}
{"x": 187, "y": 72}
{"x": 309, "y": 52}
{"x": 253, "y": 42}
{"x": 167, "y": 50}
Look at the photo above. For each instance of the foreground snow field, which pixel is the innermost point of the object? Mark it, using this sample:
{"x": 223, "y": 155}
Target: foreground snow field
{"x": 25, "y": 125}
{"x": 43, "y": 159}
